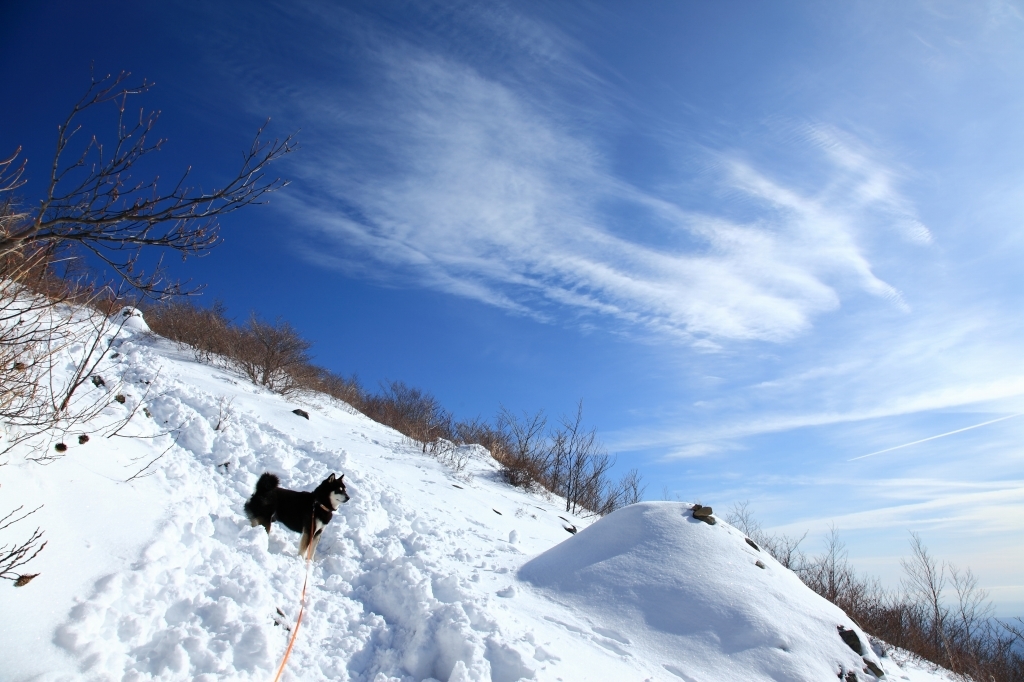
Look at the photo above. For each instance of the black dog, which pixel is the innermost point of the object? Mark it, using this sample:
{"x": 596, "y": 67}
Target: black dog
{"x": 303, "y": 512}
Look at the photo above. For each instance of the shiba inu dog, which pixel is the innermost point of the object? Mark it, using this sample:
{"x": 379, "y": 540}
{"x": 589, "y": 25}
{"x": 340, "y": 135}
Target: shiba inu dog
{"x": 303, "y": 512}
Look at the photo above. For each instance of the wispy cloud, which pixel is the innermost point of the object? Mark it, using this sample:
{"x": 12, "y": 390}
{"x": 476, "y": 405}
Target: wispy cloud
{"x": 941, "y": 435}
{"x": 697, "y": 438}
{"x": 449, "y": 177}
{"x": 995, "y": 510}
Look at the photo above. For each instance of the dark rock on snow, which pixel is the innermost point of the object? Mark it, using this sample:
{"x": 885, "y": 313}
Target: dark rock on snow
{"x": 852, "y": 640}
{"x": 873, "y": 667}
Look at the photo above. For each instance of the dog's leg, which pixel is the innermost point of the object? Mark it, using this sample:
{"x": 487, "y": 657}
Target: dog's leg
{"x": 265, "y": 525}
{"x": 303, "y": 543}
{"x": 316, "y": 539}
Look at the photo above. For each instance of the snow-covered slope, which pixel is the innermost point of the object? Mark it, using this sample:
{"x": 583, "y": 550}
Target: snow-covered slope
{"x": 426, "y": 574}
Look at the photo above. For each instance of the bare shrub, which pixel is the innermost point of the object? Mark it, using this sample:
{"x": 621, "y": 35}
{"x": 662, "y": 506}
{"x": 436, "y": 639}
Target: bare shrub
{"x": 478, "y": 432}
{"x": 449, "y": 453}
{"x": 205, "y": 330}
{"x": 521, "y": 449}
{"x": 268, "y": 354}
{"x": 568, "y": 461}
{"x": 410, "y": 411}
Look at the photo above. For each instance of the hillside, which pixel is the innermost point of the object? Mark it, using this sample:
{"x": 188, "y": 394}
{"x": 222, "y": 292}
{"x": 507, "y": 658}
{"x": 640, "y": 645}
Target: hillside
{"x": 428, "y": 573}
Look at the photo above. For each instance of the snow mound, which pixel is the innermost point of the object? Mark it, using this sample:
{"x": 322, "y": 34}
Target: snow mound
{"x": 695, "y": 597}
{"x": 131, "y": 318}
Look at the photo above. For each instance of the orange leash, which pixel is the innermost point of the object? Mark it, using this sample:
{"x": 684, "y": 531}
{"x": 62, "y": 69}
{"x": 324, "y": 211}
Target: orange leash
{"x": 302, "y": 600}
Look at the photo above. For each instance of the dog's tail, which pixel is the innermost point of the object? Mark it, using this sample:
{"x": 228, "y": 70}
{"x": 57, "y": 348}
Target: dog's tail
{"x": 267, "y": 482}
{"x": 261, "y": 506}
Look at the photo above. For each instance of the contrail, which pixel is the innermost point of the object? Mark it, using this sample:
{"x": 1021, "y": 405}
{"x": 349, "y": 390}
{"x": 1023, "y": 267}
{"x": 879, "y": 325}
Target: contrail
{"x": 941, "y": 435}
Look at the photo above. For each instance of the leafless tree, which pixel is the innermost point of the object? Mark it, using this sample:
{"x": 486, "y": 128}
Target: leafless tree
{"x": 585, "y": 464}
{"x": 830, "y": 574}
{"x": 91, "y": 204}
{"x": 925, "y": 581}
{"x": 970, "y": 615}
{"x": 629, "y": 490}
{"x": 783, "y": 548}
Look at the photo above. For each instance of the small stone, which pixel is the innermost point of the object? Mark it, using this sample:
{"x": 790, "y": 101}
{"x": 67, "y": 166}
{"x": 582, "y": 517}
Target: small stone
{"x": 83, "y": 439}
{"x": 701, "y": 512}
{"x": 97, "y": 381}
{"x": 852, "y": 640}
{"x": 145, "y": 411}
{"x": 874, "y": 668}
{"x": 752, "y": 544}
{"x": 759, "y": 563}
{"x": 302, "y": 413}
{"x": 120, "y": 398}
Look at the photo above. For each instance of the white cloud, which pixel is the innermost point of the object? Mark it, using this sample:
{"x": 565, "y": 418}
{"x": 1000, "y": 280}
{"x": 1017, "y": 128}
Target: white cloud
{"x": 456, "y": 181}
{"x": 873, "y": 184}
{"x": 695, "y": 450}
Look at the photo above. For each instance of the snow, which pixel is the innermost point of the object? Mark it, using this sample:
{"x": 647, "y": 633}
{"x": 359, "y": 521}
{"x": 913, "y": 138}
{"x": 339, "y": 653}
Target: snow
{"x": 426, "y": 574}
{"x": 690, "y": 596}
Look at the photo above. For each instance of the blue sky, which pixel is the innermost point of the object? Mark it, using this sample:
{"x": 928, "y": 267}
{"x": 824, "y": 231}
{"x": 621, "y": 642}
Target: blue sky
{"x": 759, "y": 240}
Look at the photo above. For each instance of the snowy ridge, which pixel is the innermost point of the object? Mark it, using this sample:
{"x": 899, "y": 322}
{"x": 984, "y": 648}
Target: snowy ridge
{"x": 424, "y": 575}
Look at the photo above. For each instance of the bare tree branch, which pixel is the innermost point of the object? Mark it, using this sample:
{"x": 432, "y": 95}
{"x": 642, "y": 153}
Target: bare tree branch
{"x": 94, "y": 204}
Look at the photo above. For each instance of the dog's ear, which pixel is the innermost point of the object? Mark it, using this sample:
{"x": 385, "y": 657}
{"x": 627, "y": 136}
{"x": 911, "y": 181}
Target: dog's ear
{"x": 330, "y": 479}
{"x": 342, "y": 477}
